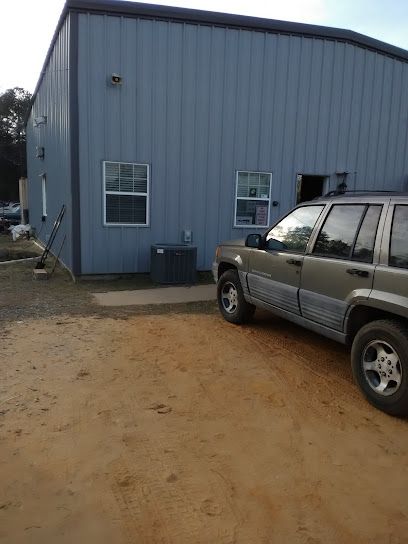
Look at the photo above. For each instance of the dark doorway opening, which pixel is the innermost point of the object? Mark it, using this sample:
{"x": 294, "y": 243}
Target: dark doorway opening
{"x": 309, "y": 187}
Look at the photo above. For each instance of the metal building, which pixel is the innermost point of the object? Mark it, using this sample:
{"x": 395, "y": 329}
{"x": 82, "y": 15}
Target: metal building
{"x": 159, "y": 124}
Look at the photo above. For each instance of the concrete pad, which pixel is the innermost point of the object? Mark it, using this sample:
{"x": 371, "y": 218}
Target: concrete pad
{"x": 161, "y": 295}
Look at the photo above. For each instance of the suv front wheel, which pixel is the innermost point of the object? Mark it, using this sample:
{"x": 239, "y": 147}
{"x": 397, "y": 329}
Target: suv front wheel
{"x": 379, "y": 359}
{"x": 231, "y": 300}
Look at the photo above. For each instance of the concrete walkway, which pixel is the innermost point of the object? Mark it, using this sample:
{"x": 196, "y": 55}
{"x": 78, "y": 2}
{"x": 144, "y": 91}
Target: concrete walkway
{"x": 161, "y": 295}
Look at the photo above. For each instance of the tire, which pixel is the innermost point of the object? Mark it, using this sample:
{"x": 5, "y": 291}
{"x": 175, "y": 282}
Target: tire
{"x": 231, "y": 301}
{"x": 379, "y": 360}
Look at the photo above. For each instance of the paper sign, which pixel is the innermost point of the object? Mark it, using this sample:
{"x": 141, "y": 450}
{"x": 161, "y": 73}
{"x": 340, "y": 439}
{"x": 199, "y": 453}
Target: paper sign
{"x": 261, "y": 215}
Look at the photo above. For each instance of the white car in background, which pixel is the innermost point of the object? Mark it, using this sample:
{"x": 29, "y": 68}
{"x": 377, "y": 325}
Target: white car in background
{"x": 11, "y": 212}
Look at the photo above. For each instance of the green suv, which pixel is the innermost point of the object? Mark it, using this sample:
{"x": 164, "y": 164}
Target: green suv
{"x": 338, "y": 266}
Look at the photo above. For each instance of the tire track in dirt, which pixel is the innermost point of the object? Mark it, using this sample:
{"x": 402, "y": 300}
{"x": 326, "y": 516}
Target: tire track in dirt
{"x": 220, "y": 405}
{"x": 323, "y": 359}
{"x": 165, "y": 506}
{"x": 277, "y": 345}
{"x": 242, "y": 452}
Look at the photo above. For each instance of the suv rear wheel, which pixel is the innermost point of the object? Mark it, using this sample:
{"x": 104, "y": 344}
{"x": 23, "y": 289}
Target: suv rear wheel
{"x": 231, "y": 300}
{"x": 379, "y": 359}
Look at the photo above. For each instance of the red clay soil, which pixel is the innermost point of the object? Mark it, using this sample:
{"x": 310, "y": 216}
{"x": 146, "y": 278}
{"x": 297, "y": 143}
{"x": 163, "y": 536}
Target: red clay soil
{"x": 184, "y": 429}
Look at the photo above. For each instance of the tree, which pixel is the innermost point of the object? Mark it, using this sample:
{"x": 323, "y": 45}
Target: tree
{"x": 14, "y": 104}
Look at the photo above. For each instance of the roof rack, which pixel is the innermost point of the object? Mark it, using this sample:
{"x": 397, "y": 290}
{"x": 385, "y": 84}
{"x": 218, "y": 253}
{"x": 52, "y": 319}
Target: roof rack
{"x": 339, "y": 192}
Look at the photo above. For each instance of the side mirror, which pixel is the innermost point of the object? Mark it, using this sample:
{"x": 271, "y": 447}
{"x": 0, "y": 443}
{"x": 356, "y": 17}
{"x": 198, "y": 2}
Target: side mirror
{"x": 254, "y": 240}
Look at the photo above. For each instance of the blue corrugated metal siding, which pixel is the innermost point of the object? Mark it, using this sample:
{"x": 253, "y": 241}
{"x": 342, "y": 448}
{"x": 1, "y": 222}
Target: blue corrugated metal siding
{"x": 52, "y": 100}
{"x": 199, "y": 102}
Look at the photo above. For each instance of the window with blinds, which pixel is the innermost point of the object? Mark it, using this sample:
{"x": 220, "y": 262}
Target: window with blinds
{"x": 126, "y": 198}
{"x": 252, "y": 199}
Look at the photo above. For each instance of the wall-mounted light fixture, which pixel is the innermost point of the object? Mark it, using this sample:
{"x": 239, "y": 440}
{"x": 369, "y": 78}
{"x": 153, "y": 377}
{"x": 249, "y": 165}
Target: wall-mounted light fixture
{"x": 41, "y": 120}
{"x": 341, "y": 181}
{"x": 116, "y": 79}
{"x": 40, "y": 152}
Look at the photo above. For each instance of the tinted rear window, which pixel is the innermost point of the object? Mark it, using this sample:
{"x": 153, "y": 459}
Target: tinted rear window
{"x": 338, "y": 233}
{"x": 399, "y": 238}
{"x": 364, "y": 246}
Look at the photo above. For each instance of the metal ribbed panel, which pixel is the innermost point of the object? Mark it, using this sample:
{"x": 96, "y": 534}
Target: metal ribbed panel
{"x": 52, "y": 100}
{"x": 200, "y": 102}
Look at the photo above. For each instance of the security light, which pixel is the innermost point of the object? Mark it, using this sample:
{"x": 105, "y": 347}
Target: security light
{"x": 116, "y": 79}
{"x": 42, "y": 120}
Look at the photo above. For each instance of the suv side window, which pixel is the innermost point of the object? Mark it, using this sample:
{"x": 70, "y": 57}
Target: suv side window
{"x": 364, "y": 247}
{"x": 399, "y": 238}
{"x": 294, "y": 231}
{"x": 349, "y": 232}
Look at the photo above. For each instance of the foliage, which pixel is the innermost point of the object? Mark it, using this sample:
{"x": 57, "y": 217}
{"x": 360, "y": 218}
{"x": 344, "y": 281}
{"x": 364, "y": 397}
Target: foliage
{"x": 14, "y": 104}
{"x": 331, "y": 247}
{"x": 294, "y": 239}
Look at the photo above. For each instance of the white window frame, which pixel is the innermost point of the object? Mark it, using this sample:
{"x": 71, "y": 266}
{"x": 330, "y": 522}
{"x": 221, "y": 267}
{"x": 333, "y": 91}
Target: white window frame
{"x": 44, "y": 194}
{"x": 268, "y": 199}
{"x": 105, "y": 192}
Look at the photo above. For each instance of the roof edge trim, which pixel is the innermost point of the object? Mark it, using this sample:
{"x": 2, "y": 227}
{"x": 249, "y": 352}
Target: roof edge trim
{"x": 135, "y": 9}
{"x": 60, "y": 23}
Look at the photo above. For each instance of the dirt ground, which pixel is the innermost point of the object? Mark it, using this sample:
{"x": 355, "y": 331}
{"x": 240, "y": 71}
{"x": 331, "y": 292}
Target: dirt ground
{"x": 22, "y": 297}
{"x": 176, "y": 427}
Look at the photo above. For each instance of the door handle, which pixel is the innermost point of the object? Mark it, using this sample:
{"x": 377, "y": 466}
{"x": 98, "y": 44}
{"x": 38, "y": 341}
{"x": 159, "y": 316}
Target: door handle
{"x": 294, "y": 262}
{"x": 357, "y": 272}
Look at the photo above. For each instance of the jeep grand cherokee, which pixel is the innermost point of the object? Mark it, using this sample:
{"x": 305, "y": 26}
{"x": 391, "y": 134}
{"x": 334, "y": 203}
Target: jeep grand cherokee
{"x": 338, "y": 266}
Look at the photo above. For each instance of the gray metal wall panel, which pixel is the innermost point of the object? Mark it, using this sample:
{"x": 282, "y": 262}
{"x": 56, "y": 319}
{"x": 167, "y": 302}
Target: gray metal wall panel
{"x": 399, "y": 128}
{"x": 200, "y": 102}
{"x": 52, "y": 100}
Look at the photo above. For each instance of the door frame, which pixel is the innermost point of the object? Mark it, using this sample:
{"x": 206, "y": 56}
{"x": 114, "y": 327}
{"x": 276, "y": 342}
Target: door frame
{"x": 325, "y": 188}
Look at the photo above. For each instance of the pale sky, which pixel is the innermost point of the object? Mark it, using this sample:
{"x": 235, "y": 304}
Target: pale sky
{"x": 27, "y": 26}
